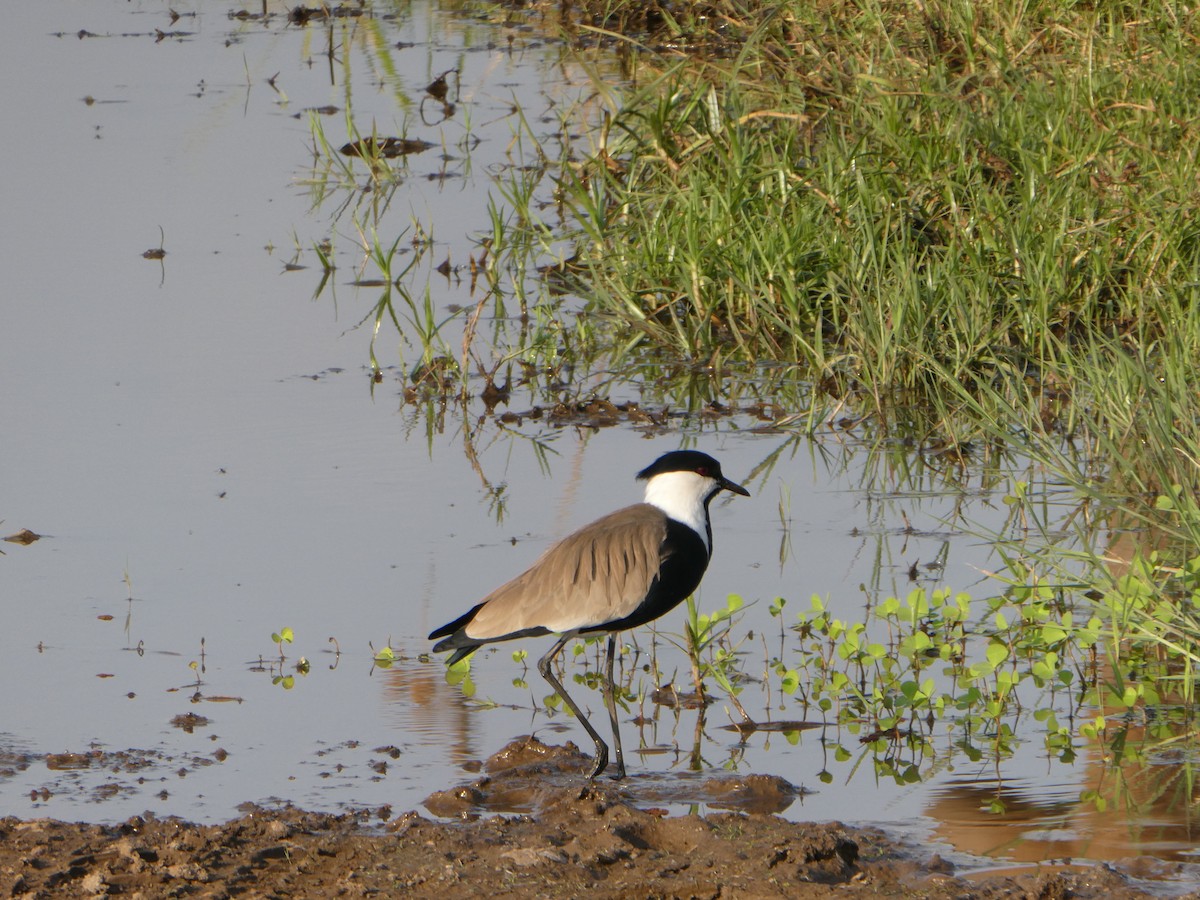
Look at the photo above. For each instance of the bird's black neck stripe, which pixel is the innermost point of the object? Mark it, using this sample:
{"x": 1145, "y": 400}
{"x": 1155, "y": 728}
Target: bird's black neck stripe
{"x": 708, "y": 518}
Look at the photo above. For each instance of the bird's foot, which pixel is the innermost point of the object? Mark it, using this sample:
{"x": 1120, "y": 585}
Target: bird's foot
{"x": 620, "y": 773}
{"x": 601, "y": 763}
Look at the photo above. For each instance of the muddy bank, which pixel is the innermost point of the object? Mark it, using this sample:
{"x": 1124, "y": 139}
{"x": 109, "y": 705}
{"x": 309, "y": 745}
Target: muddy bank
{"x": 579, "y": 837}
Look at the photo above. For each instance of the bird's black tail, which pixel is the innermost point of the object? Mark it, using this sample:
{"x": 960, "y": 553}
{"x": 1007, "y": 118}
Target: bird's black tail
{"x": 449, "y": 629}
{"x": 454, "y": 639}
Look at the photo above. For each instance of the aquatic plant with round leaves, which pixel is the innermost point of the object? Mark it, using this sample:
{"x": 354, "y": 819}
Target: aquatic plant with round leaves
{"x": 281, "y": 637}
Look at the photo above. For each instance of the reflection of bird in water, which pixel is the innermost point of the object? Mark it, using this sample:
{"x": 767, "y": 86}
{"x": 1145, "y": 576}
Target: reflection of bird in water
{"x": 427, "y": 705}
{"x": 621, "y": 571}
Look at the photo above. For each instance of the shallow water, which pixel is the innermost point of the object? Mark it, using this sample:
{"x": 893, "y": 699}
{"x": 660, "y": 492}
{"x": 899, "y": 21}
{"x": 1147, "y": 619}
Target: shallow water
{"x": 199, "y": 441}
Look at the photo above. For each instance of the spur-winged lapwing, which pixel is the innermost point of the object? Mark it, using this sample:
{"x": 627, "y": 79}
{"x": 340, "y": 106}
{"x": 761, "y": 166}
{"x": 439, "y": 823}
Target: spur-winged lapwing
{"x": 623, "y": 570}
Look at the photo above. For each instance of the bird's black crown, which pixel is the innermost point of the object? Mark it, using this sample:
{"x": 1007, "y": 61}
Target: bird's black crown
{"x": 683, "y": 461}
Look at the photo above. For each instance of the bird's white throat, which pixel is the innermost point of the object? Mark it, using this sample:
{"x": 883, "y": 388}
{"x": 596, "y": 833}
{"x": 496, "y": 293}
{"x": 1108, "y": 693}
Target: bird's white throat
{"x": 681, "y": 496}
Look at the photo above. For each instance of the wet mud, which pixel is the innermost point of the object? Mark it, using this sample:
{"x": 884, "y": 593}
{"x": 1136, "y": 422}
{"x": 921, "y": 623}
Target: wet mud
{"x": 573, "y": 836}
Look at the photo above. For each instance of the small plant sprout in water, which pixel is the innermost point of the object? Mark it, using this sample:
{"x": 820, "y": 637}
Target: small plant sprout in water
{"x": 157, "y": 252}
{"x": 519, "y": 657}
{"x": 785, "y": 523}
{"x": 337, "y": 653}
{"x": 384, "y": 656}
{"x": 776, "y": 610}
{"x": 128, "y": 579}
{"x": 460, "y": 674}
{"x": 281, "y": 637}
{"x": 703, "y": 631}
{"x": 287, "y": 682}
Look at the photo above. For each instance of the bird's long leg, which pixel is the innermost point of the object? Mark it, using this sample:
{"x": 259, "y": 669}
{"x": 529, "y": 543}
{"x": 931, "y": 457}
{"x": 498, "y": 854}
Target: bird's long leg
{"x": 544, "y": 668}
{"x": 610, "y": 690}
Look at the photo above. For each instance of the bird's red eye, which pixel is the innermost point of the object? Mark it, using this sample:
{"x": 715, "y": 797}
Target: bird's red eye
{"x": 702, "y": 470}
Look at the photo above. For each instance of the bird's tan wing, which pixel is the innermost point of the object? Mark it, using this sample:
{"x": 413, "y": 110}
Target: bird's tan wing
{"x": 599, "y": 574}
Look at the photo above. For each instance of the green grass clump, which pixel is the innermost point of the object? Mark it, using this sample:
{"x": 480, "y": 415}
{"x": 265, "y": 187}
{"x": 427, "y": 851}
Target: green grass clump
{"x": 982, "y": 211}
{"x": 944, "y": 206}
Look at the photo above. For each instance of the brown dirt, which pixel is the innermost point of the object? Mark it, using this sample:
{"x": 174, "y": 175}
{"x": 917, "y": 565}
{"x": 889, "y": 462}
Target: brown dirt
{"x": 583, "y": 838}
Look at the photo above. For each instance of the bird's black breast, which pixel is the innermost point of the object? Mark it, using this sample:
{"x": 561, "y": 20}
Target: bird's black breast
{"x": 684, "y": 559}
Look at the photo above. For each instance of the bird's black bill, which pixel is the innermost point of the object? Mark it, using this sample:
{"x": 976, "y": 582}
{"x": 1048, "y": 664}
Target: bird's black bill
{"x": 734, "y": 486}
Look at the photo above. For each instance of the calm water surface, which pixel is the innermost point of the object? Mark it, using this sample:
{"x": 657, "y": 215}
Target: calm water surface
{"x": 198, "y": 439}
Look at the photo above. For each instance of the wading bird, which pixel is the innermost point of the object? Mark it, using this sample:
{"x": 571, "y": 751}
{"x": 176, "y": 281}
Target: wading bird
{"x": 623, "y": 570}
